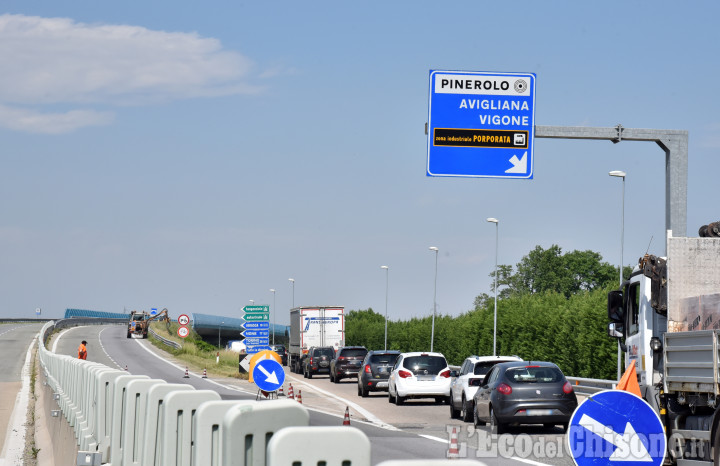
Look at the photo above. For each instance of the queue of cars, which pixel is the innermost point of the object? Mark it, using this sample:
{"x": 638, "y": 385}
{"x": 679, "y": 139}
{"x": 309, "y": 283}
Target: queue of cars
{"x": 499, "y": 390}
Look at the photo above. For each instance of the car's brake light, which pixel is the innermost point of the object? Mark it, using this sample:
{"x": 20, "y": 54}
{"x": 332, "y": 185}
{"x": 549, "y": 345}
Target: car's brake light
{"x": 526, "y": 367}
{"x": 445, "y": 373}
{"x": 367, "y": 368}
{"x": 567, "y": 388}
{"x": 404, "y": 374}
{"x": 504, "y": 388}
{"x": 341, "y": 358}
{"x": 311, "y": 361}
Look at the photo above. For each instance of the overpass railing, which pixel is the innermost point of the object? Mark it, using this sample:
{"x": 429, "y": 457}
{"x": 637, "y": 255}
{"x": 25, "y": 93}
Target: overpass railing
{"x": 135, "y": 420}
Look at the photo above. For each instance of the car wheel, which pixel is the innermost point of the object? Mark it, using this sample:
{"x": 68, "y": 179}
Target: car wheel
{"x": 495, "y": 426}
{"x": 337, "y": 379}
{"x": 454, "y": 413}
{"x": 476, "y": 420}
{"x": 128, "y": 334}
{"x": 359, "y": 390}
{"x": 363, "y": 392}
{"x": 466, "y": 410}
{"x": 305, "y": 373}
{"x": 309, "y": 376}
{"x": 390, "y": 397}
{"x": 399, "y": 400}
{"x": 332, "y": 379}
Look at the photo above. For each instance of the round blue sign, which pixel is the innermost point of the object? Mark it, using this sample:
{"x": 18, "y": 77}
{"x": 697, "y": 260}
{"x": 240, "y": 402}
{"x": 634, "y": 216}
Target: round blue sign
{"x": 268, "y": 375}
{"x": 616, "y": 428}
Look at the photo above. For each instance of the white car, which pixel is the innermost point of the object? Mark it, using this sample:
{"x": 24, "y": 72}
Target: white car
{"x": 467, "y": 381}
{"x": 419, "y": 375}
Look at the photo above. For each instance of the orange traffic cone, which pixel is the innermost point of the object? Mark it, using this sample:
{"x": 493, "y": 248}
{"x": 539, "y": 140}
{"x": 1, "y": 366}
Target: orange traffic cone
{"x": 280, "y": 391}
{"x": 299, "y": 397}
{"x": 187, "y": 374}
{"x": 628, "y": 381}
{"x": 346, "y": 419}
{"x": 204, "y": 376}
{"x": 453, "y": 451}
{"x": 291, "y": 395}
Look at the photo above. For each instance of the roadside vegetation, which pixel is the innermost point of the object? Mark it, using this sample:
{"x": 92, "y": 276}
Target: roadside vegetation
{"x": 551, "y": 307}
{"x": 196, "y": 353}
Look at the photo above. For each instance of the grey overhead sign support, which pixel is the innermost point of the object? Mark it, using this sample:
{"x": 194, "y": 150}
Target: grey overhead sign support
{"x": 673, "y": 142}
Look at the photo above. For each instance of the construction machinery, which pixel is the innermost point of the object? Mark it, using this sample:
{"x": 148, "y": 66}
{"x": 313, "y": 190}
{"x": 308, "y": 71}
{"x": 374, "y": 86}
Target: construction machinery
{"x": 139, "y": 323}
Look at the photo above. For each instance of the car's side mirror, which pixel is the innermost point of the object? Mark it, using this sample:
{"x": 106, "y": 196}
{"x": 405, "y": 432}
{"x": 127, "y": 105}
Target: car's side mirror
{"x": 616, "y": 313}
{"x": 453, "y": 373}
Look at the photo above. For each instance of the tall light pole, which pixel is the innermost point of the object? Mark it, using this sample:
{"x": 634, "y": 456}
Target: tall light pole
{"x": 432, "y": 330}
{"x": 496, "y": 222}
{"x": 292, "y": 280}
{"x": 621, "y": 174}
{"x": 387, "y": 273}
{"x": 272, "y": 290}
{"x": 221, "y": 324}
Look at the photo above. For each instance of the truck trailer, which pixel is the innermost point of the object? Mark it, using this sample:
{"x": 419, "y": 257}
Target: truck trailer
{"x": 667, "y": 317}
{"x": 314, "y": 326}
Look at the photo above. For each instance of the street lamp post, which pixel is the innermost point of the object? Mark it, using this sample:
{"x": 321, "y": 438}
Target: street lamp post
{"x": 272, "y": 290}
{"x": 621, "y": 174}
{"x": 432, "y": 330}
{"x": 292, "y": 280}
{"x": 496, "y": 222}
{"x": 221, "y": 324}
{"x": 387, "y": 272}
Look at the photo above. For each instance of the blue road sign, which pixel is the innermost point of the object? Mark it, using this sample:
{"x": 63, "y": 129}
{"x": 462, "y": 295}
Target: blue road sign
{"x": 481, "y": 124}
{"x": 255, "y": 333}
{"x": 616, "y": 428}
{"x": 268, "y": 375}
{"x": 257, "y": 341}
{"x": 255, "y": 325}
{"x": 252, "y": 349}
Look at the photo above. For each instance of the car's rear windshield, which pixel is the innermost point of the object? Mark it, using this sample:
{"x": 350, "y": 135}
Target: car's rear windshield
{"x": 354, "y": 353}
{"x": 383, "y": 359}
{"x": 329, "y": 352}
{"x": 482, "y": 368}
{"x": 534, "y": 374}
{"x": 421, "y": 365}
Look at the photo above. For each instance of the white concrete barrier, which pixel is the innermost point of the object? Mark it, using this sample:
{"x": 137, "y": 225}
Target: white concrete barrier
{"x": 310, "y": 445}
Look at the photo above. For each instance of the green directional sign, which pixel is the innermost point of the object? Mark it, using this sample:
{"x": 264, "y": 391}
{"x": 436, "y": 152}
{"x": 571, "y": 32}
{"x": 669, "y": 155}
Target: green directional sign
{"x": 256, "y": 309}
{"x": 250, "y": 317}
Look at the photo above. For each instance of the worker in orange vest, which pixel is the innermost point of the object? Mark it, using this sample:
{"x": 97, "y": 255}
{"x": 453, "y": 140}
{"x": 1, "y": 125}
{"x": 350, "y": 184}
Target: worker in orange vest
{"x": 82, "y": 350}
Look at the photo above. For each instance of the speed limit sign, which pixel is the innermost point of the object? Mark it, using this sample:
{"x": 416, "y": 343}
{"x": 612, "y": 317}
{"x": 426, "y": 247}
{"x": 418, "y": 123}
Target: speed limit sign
{"x": 183, "y": 332}
{"x": 183, "y": 319}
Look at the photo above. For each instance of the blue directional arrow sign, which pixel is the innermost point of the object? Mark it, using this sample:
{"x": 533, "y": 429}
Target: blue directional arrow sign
{"x": 616, "y": 428}
{"x": 255, "y": 333}
{"x": 257, "y": 341}
{"x": 255, "y": 325}
{"x": 252, "y": 349}
{"x": 481, "y": 124}
{"x": 268, "y": 375}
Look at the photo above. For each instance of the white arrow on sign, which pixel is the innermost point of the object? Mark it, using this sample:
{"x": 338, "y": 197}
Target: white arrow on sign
{"x": 629, "y": 446}
{"x": 272, "y": 378}
{"x": 519, "y": 166}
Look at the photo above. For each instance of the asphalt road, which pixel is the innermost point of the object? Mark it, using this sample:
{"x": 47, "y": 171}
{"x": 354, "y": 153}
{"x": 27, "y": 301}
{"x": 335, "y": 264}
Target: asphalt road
{"x": 15, "y": 340}
{"x": 417, "y": 430}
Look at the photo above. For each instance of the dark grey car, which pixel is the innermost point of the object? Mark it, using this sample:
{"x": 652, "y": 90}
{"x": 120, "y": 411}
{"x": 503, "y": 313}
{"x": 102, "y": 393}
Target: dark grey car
{"x": 347, "y": 362}
{"x": 375, "y": 371}
{"x": 317, "y": 361}
{"x": 514, "y": 393}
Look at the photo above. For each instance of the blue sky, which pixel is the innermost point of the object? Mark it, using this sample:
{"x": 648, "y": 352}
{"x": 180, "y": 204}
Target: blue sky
{"x": 195, "y": 155}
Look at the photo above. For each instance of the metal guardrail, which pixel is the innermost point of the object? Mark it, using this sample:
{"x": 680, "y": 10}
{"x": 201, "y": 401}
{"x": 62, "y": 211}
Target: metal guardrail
{"x": 589, "y": 386}
{"x": 164, "y": 341}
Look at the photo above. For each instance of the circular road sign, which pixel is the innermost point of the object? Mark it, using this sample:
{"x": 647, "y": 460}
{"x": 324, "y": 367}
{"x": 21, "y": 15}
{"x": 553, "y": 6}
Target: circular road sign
{"x": 183, "y": 332}
{"x": 268, "y": 375}
{"x": 183, "y": 319}
{"x": 616, "y": 428}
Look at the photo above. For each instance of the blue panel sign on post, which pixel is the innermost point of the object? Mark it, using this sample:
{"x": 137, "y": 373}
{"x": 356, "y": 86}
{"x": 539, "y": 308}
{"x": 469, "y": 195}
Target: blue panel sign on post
{"x": 481, "y": 124}
{"x": 616, "y": 428}
{"x": 268, "y": 375}
{"x": 256, "y": 325}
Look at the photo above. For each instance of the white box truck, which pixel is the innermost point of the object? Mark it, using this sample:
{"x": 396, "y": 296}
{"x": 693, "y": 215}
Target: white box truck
{"x": 314, "y": 326}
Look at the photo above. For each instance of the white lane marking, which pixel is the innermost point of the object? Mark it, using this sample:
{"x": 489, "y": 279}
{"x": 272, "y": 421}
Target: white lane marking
{"x": 9, "y": 330}
{"x": 525, "y": 460}
{"x": 15, "y": 439}
{"x": 103, "y": 348}
{"x": 430, "y": 437}
{"x": 229, "y": 387}
{"x": 367, "y": 414}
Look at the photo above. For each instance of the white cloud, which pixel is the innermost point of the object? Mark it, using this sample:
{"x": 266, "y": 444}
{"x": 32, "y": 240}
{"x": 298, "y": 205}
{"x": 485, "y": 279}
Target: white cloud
{"x": 57, "y": 60}
{"x": 32, "y": 121}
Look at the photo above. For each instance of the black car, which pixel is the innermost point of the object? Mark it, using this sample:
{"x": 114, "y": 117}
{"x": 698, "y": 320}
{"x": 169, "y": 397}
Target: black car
{"x": 375, "y": 371}
{"x": 317, "y": 360}
{"x": 347, "y": 362}
{"x": 282, "y": 352}
{"x": 524, "y": 393}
